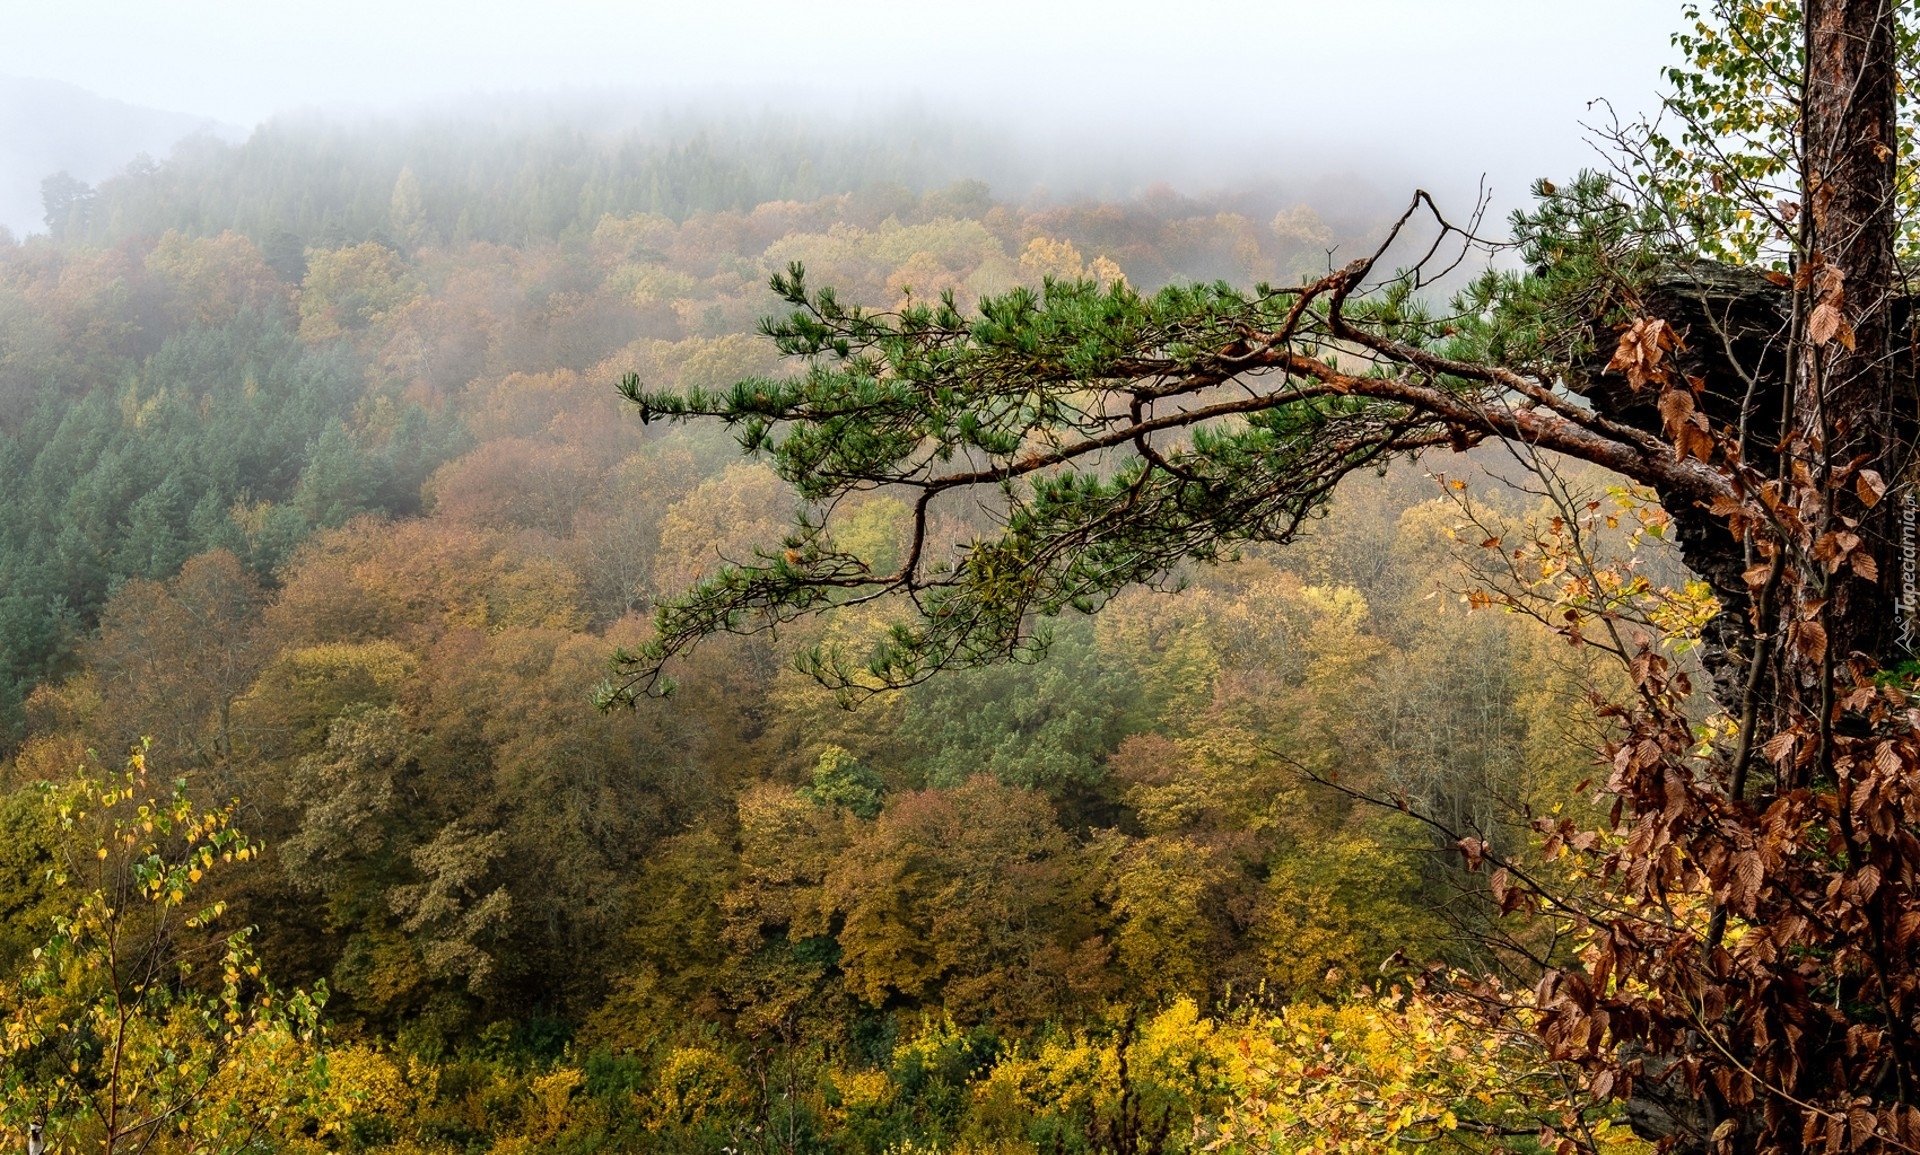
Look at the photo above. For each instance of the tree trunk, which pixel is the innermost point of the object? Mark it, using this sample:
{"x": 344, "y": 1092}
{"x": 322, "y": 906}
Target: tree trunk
{"x": 1834, "y": 441}
{"x": 1840, "y": 420}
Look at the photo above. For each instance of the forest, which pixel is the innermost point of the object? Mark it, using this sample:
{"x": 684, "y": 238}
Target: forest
{"x": 420, "y": 735}
{"x": 349, "y": 535}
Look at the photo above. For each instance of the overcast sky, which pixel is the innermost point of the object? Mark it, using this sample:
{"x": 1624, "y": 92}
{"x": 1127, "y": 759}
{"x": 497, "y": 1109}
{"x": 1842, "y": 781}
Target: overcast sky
{"x": 1200, "y": 86}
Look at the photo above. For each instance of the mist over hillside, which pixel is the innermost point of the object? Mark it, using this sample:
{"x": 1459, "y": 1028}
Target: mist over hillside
{"x": 563, "y": 159}
{"x": 47, "y": 126}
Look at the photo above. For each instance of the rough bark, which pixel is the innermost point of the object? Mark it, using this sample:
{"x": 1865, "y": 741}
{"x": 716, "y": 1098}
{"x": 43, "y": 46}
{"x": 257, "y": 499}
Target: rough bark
{"x": 1842, "y": 402}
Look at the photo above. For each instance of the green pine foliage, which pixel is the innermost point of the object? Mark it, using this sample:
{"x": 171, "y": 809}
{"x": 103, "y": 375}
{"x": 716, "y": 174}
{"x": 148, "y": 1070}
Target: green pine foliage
{"x": 230, "y": 438}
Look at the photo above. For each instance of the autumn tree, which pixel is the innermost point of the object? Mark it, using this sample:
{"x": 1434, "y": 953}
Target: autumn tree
{"x": 135, "y": 1025}
{"x": 971, "y": 894}
{"x": 1715, "y": 322}
{"x": 172, "y": 657}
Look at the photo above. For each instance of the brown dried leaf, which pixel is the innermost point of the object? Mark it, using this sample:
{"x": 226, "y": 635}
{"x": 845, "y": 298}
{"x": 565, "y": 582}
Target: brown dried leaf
{"x": 1827, "y": 549}
{"x": 1886, "y": 759}
{"x": 1824, "y": 325}
{"x": 1810, "y": 638}
{"x": 1870, "y": 486}
{"x": 1830, "y": 281}
{"x": 1689, "y": 441}
{"x": 1744, "y": 887}
{"x": 1602, "y": 1085}
{"x": 1640, "y": 350}
{"x": 1676, "y": 405}
{"x": 1868, "y": 881}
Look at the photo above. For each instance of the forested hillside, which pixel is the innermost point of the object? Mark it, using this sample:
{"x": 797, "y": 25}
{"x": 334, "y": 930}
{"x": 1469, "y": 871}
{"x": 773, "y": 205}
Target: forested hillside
{"x": 319, "y": 484}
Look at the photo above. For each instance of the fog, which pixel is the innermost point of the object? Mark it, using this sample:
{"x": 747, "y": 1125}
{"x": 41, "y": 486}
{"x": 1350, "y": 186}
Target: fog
{"x": 1073, "y": 96}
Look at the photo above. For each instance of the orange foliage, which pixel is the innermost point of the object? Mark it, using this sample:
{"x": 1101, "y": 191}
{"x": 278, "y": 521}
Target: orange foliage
{"x": 212, "y": 279}
{"x": 413, "y": 581}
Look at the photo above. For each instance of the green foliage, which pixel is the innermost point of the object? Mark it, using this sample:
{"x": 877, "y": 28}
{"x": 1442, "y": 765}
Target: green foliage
{"x": 1727, "y": 176}
{"x": 228, "y": 437}
{"x": 841, "y": 782}
{"x": 1338, "y": 907}
{"x": 1043, "y": 726}
{"x": 1588, "y": 253}
{"x": 133, "y": 1025}
{"x": 346, "y": 290}
{"x": 1739, "y": 129}
{"x": 973, "y": 897}
{"x": 29, "y": 844}
{"x": 327, "y": 184}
